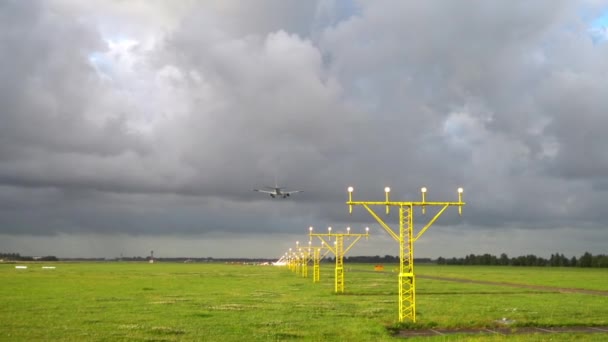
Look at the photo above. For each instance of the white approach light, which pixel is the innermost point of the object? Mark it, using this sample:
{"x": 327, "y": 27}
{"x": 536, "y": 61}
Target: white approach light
{"x": 350, "y": 189}
{"x": 387, "y": 189}
{"x": 423, "y": 190}
{"x": 460, "y": 190}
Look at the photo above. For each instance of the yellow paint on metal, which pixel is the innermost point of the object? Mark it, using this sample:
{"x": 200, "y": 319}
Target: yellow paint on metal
{"x": 339, "y": 264}
{"x": 406, "y": 239}
{"x": 316, "y": 269}
{"x": 305, "y": 257}
{"x": 338, "y": 250}
{"x": 314, "y": 254}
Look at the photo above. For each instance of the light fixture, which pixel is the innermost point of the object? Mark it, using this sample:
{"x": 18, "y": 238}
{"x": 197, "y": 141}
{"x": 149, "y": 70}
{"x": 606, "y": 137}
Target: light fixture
{"x": 423, "y": 190}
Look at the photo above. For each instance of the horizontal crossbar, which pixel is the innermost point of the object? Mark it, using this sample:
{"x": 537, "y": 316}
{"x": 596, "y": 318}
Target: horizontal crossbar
{"x": 405, "y": 204}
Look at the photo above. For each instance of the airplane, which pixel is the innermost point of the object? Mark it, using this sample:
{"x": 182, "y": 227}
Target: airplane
{"x": 277, "y": 192}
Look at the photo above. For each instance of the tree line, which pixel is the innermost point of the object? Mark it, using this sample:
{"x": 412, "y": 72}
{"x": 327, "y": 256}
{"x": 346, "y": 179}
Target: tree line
{"x": 19, "y": 257}
{"x": 556, "y": 260}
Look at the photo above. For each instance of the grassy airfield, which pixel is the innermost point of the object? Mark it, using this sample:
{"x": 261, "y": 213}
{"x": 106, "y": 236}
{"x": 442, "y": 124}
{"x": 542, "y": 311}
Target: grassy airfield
{"x": 221, "y": 302}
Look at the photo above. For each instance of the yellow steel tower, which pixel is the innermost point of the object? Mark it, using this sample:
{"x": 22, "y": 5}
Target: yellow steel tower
{"x": 314, "y": 253}
{"x": 316, "y": 267}
{"x": 406, "y": 239}
{"x": 302, "y": 256}
{"x": 295, "y": 261}
{"x": 339, "y": 250}
{"x": 290, "y": 261}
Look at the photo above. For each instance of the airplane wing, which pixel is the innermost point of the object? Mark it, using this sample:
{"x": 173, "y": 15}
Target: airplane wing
{"x": 264, "y": 191}
{"x": 291, "y": 192}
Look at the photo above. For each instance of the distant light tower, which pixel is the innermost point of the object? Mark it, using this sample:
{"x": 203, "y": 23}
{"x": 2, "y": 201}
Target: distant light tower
{"x": 303, "y": 256}
{"x": 292, "y": 261}
{"x": 298, "y": 257}
{"x": 316, "y": 258}
{"x": 406, "y": 238}
{"x": 151, "y": 257}
{"x": 338, "y": 250}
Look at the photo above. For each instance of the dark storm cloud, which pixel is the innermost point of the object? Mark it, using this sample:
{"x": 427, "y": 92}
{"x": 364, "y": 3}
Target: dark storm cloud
{"x": 159, "y": 118}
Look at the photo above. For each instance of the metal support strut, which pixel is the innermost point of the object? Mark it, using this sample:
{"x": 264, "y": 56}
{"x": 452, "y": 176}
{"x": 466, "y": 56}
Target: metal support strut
{"x": 338, "y": 250}
{"x": 406, "y": 239}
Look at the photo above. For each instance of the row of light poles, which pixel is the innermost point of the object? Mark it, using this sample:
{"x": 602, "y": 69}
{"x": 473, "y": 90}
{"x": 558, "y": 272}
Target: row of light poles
{"x": 339, "y": 250}
{"x": 298, "y": 259}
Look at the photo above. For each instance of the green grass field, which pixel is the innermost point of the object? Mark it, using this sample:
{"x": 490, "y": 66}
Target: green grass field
{"x": 219, "y": 302}
{"x": 583, "y": 278}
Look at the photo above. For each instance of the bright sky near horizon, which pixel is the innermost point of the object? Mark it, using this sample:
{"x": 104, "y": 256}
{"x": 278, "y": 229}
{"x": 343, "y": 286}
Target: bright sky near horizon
{"x": 144, "y": 125}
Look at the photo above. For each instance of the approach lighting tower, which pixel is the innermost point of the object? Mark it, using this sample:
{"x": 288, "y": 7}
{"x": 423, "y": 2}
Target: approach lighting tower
{"x": 338, "y": 250}
{"x": 316, "y": 260}
{"x": 304, "y": 255}
{"x": 291, "y": 260}
{"x": 299, "y": 258}
{"x": 406, "y": 239}
{"x": 312, "y": 253}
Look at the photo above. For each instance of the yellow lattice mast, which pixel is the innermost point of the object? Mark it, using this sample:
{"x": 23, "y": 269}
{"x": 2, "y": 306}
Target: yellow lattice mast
{"x": 305, "y": 255}
{"x": 406, "y": 239}
{"x": 298, "y": 255}
{"x": 314, "y": 253}
{"x": 338, "y": 250}
{"x": 316, "y": 265}
{"x": 294, "y": 258}
{"x": 302, "y": 265}
{"x": 290, "y": 264}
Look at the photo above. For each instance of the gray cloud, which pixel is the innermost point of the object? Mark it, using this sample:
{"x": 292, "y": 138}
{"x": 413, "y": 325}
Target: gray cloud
{"x": 157, "y": 119}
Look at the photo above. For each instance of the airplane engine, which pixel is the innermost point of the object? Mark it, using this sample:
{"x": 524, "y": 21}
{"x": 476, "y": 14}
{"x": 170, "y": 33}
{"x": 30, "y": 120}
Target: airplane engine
{"x": 271, "y": 195}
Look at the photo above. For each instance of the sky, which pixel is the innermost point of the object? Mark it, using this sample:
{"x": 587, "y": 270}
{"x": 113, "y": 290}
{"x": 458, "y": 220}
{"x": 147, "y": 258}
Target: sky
{"x": 135, "y": 126}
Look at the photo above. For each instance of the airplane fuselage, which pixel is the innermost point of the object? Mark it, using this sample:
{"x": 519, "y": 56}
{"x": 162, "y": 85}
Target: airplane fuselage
{"x": 277, "y": 192}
